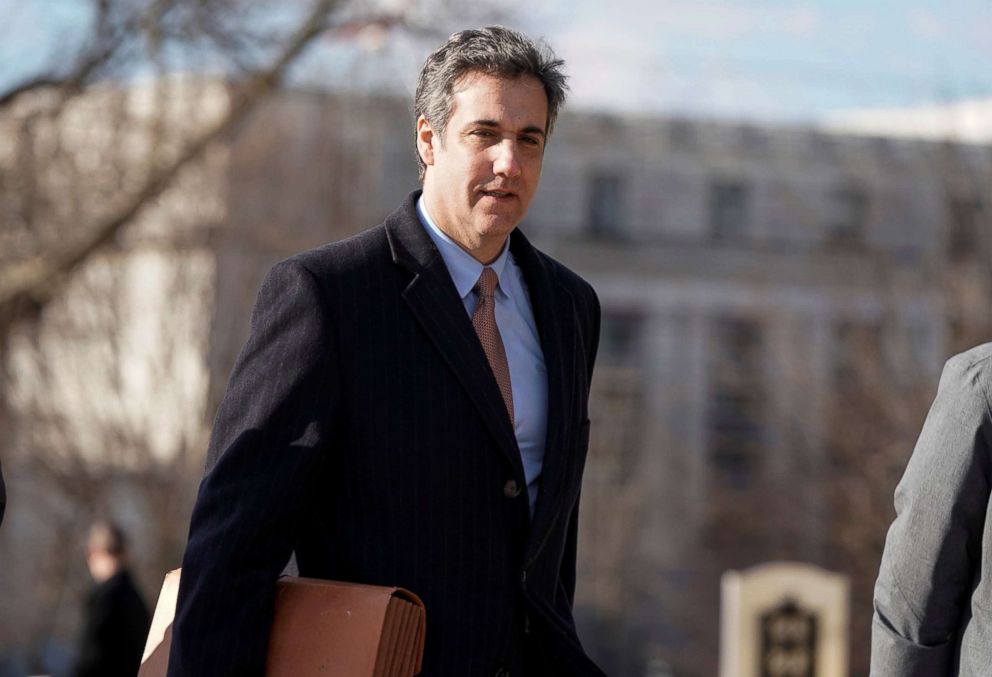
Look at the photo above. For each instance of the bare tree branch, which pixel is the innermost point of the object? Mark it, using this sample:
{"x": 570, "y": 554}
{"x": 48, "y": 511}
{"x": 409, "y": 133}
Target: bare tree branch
{"x": 26, "y": 286}
{"x": 108, "y": 40}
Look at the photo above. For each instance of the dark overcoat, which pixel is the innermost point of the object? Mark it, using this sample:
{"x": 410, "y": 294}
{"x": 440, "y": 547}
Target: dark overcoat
{"x": 115, "y": 624}
{"x": 363, "y": 429}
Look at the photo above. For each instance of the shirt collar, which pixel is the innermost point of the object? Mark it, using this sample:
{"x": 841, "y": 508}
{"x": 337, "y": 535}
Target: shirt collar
{"x": 463, "y": 268}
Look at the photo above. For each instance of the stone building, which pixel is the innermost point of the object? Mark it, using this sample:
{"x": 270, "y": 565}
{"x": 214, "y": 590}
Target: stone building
{"x": 755, "y": 282}
{"x": 760, "y": 287}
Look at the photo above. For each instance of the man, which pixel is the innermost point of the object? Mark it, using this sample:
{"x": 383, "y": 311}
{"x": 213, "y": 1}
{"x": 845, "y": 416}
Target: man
{"x": 933, "y": 598}
{"x": 115, "y": 618}
{"x": 411, "y": 406}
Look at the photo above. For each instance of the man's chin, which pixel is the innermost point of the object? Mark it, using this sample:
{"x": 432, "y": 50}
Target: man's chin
{"x": 498, "y": 227}
{"x": 498, "y": 220}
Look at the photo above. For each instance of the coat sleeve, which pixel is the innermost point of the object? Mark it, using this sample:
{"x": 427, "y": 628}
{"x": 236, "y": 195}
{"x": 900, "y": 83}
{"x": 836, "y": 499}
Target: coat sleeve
{"x": 267, "y": 442}
{"x": 933, "y": 548}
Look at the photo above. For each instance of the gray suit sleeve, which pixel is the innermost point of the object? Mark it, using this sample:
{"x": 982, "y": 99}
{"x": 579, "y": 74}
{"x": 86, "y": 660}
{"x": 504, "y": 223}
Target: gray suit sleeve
{"x": 933, "y": 548}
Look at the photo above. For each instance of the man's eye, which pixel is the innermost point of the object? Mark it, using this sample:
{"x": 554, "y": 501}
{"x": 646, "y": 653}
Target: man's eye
{"x": 530, "y": 140}
{"x": 484, "y": 133}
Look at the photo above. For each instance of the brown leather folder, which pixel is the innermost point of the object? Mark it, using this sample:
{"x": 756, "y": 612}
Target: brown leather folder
{"x": 325, "y": 628}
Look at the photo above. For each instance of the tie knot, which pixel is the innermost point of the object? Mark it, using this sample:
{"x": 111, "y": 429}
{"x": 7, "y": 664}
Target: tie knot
{"x": 486, "y": 286}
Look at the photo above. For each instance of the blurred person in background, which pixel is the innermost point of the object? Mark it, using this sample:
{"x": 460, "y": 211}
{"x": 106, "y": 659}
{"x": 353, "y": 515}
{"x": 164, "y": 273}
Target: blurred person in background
{"x": 115, "y": 618}
{"x": 3, "y": 495}
{"x": 933, "y": 597}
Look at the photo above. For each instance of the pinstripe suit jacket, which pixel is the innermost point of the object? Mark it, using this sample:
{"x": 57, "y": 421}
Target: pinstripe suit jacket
{"x": 933, "y": 597}
{"x": 363, "y": 429}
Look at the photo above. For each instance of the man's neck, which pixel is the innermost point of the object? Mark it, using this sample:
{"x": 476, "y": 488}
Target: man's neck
{"x": 484, "y": 252}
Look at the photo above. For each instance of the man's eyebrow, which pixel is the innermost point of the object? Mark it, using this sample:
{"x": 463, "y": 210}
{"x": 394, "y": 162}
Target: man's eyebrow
{"x": 529, "y": 129}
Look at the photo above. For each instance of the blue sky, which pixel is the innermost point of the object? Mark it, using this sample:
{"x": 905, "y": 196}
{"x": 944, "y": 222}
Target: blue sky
{"x": 792, "y": 60}
{"x": 774, "y": 59}
{"x": 31, "y": 30}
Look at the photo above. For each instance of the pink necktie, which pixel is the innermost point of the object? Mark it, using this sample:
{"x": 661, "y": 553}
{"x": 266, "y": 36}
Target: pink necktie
{"x": 484, "y": 321}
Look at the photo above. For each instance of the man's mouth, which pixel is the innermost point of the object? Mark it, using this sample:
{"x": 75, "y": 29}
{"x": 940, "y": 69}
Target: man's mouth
{"x": 498, "y": 193}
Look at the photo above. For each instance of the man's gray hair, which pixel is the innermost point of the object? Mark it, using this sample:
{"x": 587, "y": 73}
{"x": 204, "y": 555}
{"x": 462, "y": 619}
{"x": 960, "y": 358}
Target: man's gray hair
{"x": 493, "y": 50}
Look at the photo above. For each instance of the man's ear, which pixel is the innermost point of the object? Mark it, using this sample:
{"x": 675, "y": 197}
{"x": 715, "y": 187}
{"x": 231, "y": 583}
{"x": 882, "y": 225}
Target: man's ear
{"x": 425, "y": 140}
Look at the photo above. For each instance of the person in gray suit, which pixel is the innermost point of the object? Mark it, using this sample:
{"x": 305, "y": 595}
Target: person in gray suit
{"x": 933, "y": 597}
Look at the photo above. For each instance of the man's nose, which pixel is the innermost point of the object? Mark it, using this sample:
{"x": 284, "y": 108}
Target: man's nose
{"x": 507, "y": 160}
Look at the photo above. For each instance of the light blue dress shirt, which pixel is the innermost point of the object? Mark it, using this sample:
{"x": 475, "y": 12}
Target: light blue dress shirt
{"x": 515, "y": 319}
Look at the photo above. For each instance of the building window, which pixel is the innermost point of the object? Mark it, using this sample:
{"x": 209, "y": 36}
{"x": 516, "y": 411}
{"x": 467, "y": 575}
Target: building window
{"x": 753, "y": 140}
{"x": 728, "y": 207}
{"x": 857, "y": 356}
{"x": 616, "y": 397}
{"x": 737, "y": 400}
{"x": 682, "y": 135}
{"x": 857, "y": 418}
{"x": 616, "y": 400}
{"x": 850, "y": 210}
{"x": 822, "y": 148}
{"x": 964, "y": 217}
{"x": 886, "y": 150}
{"x": 620, "y": 337}
{"x": 605, "y": 211}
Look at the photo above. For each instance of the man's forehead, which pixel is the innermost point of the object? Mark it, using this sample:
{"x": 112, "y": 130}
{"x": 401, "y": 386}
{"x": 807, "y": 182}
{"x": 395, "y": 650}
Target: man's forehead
{"x": 473, "y": 77}
{"x": 476, "y": 78}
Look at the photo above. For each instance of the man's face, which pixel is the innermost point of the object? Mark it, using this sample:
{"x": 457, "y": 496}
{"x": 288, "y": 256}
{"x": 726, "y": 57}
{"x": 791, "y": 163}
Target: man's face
{"x": 482, "y": 175}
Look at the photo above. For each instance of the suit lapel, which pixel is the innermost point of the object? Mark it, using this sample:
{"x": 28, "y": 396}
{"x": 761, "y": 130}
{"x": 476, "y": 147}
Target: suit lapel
{"x": 434, "y": 302}
{"x": 551, "y": 303}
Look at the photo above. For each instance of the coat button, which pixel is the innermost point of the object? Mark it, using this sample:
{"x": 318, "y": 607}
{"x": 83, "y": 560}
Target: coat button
{"x": 511, "y": 489}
